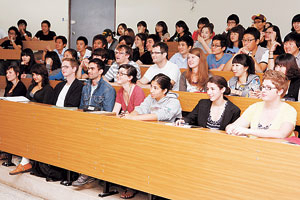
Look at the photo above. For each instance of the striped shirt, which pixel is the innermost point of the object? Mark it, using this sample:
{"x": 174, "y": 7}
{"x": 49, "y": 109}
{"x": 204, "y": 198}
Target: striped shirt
{"x": 111, "y": 74}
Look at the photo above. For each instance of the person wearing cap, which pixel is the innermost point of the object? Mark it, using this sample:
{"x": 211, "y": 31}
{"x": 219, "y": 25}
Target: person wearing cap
{"x": 25, "y": 35}
{"x": 111, "y": 41}
{"x": 259, "y": 22}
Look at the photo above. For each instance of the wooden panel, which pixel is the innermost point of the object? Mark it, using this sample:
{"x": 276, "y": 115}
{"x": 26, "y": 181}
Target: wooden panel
{"x": 228, "y": 75}
{"x": 172, "y": 48}
{"x": 10, "y": 54}
{"x": 172, "y": 162}
{"x": 38, "y": 45}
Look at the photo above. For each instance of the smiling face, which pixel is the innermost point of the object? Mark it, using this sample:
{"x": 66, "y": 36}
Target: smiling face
{"x": 214, "y": 92}
{"x": 139, "y": 42}
{"x": 183, "y": 48}
{"x": 239, "y": 69}
{"x": 45, "y": 27}
{"x": 59, "y": 45}
{"x": 157, "y": 55}
{"x": 149, "y": 44}
{"x": 121, "y": 30}
{"x": 296, "y": 26}
{"x": 193, "y": 60}
{"x": 26, "y": 59}
{"x": 37, "y": 78}
{"x": 205, "y": 33}
{"x": 291, "y": 47}
{"x": 93, "y": 71}
{"x": 179, "y": 30}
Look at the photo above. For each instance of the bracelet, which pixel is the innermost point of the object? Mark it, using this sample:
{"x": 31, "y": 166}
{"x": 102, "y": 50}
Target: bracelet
{"x": 24, "y": 34}
{"x": 271, "y": 58}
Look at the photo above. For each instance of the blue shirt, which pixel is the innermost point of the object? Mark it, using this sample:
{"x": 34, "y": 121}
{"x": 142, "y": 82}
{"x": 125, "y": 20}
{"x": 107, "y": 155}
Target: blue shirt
{"x": 213, "y": 63}
{"x": 233, "y": 50}
{"x": 179, "y": 60}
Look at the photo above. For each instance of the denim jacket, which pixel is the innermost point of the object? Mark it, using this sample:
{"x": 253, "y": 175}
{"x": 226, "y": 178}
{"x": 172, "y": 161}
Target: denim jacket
{"x": 102, "y": 98}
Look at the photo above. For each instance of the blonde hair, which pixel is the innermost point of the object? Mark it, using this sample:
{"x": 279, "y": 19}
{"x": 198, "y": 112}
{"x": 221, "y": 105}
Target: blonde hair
{"x": 278, "y": 79}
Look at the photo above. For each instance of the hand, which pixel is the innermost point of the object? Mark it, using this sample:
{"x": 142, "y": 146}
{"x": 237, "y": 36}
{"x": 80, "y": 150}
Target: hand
{"x": 274, "y": 45}
{"x": 201, "y": 39}
{"x": 179, "y": 122}
{"x": 49, "y": 61}
{"x": 236, "y": 130}
{"x": 127, "y": 116}
{"x": 23, "y": 75}
{"x": 243, "y": 50}
{"x": 255, "y": 94}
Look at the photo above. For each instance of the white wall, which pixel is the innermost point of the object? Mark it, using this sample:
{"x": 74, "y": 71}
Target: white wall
{"x": 152, "y": 11}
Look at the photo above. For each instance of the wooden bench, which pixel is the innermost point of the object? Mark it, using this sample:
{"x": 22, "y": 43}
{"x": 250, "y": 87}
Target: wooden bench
{"x": 38, "y": 45}
{"x": 10, "y": 54}
{"x": 171, "y": 162}
{"x": 172, "y": 48}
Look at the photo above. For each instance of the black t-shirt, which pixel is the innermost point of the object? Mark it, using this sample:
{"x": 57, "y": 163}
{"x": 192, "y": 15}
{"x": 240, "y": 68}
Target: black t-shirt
{"x": 111, "y": 54}
{"x": 146, "y": 58}
{"x": 28, "y": 34}
{"x": 7, "y": 45}
{"x": 40, "y": 35}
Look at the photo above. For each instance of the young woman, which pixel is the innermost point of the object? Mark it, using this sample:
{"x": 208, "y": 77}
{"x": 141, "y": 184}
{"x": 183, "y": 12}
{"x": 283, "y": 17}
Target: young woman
{"x": 161, "y": 30}
{"x": 271, "y": 118}
{"x": 296, "y": 24}
{"x": 142, "y": 27}
{"x": 130, "y": 95}
{"x": 121, "y": 30}
{"x": 181, "y": 30}
{"x": 201, "y": 22}
{"x": 234, "y": 40}
{"x": 217, "y": 111}
{"x": 130, "y": 32}
{"x": 140, "y": 42}
{"x": 27, "y": 61}
{"x": 53, "y": 63}
{"x": 160, "y": 105}
{"x": 204, "y": 40}
{"x": 272, "y": 34}
{"x": 245, "y": 81}
{"x": 196, "y": 77}
{"x": 14, "y": 87}
{"x": 286, "y": 63}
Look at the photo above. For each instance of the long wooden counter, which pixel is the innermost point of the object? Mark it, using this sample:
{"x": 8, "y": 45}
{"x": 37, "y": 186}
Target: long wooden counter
{"x": 172, "y": 162}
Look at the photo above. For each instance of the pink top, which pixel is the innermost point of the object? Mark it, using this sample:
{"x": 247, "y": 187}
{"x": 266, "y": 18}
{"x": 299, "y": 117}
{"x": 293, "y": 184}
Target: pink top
{"x": 136, "y": 98}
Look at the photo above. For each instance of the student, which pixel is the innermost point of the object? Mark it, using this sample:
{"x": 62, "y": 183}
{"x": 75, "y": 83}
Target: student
{"x": 14, "y": 86}
{"x": 292, "y": 45}
{"x": 112, "y": 43}
{"x": 181, "y": 30}
{"x": 123, "y": 56}
{"x": 251, "y": 48}
{"x": 60, "y": 47}
{"x": 200, "y": 24}
{"x": 146, "y": 58}
{"x": 140, "y": 42}
{"x": 45, "y": 33}
{"x": 99, "y": 41}
{"x": 259, "y": 22}
{"x": 217, "y": 111}
{"x": 270, "y": 118}
{"x": 194, "y": 79}
{"x": 68, "y": 92}
{"x": 126, "y": 40}
{"x": 25, "y": 35}
{"x": 217, "y": 60}
{"x": 185, "y": 44}
{"x": 27, "y": 61}
{"x": 161, "y": 30}
{"x": 160, "y": 105}
{"x": 232, "y": 21}
{"x": 121, "y": 30}
{"x": 204, "y": 39}
{"x": 142, "y": 27}
{"x": 162, "y": 65}
{"x": 234, "y": 39}
{"x": 296, "y": 24}
{"x": 129, "y": 32}
{"x": 53, "y": 63}
{"x": 81, "y": 46}
{"x": 130, "y": 95}
{"x": 245, "y": 82}
{"x": 272, "y": 34}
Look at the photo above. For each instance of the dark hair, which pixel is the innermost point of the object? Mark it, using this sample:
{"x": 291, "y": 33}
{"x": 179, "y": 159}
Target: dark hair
{"x": 142, "y": 36}
{"x": 293, "y": 37}
{"x": 100, "y": 52}
{"x": 221, "y": 38}
{"x": 182, "y": 24}
{"x": 28, "y": 52}
{"x": 128, "y": 40}
{"x": 46, "y": 22}
{"x": 253, "y": 31}
{"x": 41, "y": 70}
{"x": 144, "y": 24}
{"x": 237, "y": 29}
{"x": 123, "y": 25}
{"x": 100, "y": 64}
{"x": 221, "y": 82}
{"x": 54, "y": 57}
{"x": 131, "y": 71}
{"x": 296, "y": 18}
{"x": 128, "y": 50}
{"x": 289, "y": 62}
{"x": 188, "y": 40}
{"x": 233, "y": 17}
{"x": 84, "y": 39}
{"x": 63, "y": 39}
{"x": 130, "y": 32}
{"x": 15, "y": 30}
{"x": 154, "y": 37}
{"x": 163, "y": 81}
{"x": 203, "y": 20}
{"x": 163, "y": 47}
{"x": 73, "y": 52}
{"x": 163, "y": 25}
{"x": 210, "y": 27}
{"x": 277, "y": 31}
{"x": 102, "y": 38}
{"x": 22, "y": 21}
{"x": 246, "y": 61}
{"x": 16, "y": 70}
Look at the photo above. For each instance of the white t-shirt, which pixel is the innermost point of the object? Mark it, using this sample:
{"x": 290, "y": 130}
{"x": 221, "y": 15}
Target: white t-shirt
{"x": 62, "y": 95}
{"x": 170, "y": 69}
{"x": 261, "y": 55}
{"x": 93, "y": 88}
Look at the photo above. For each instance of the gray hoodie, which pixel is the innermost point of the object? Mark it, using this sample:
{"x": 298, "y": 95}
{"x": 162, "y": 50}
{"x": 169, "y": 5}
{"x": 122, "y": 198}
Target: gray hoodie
{"x": 252, "y": 84}
{"x": 167, "y": 109}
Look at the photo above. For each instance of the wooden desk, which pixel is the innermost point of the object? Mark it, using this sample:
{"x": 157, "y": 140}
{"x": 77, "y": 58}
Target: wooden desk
{"x": 38, "y": 45}
{"x": 172, "y": 162}
{"x": 10, "y": 54}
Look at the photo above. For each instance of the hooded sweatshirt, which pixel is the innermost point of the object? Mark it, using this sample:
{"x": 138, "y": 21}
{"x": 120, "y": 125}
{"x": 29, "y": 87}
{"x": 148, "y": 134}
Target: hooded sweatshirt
{"x": 167, "y": 108}
{"x": 252, "y": 84}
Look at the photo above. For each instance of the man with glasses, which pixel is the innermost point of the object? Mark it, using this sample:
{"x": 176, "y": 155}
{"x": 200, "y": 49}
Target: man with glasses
{"x": 162, "y": 65}
{"x": 123, "y": 54}
{"x": 217, "y": 60}
{"x": 259, "y": 22}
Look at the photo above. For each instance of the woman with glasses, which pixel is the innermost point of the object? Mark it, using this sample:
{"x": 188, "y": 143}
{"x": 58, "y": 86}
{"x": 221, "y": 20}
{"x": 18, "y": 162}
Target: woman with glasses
{"x": 270, "y": 118}
{"x": 130, "y": 95}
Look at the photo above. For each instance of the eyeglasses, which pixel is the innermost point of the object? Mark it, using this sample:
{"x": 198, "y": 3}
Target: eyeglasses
{"x": 156, "y": 53}
{"x": 248, "y": 40}
{"x": 266, "y": 87}
{"x": 65, "y": 66}
{"x": 121, "y": 74}
{"x": 122, "y": 53}
{"x": 257, "y": 22}
{"x": 215, "y": 46}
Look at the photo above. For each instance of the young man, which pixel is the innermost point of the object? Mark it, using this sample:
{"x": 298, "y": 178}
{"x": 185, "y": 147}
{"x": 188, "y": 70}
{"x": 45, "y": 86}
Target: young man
{"x": 126, "y": 40}
{"x": 99, "y": 41}
{"x": 45, "y": 33}
{"x": 185, "y": 44}
{"x": 25, "y": 35}
{"x": 292, "y": 45}
{"x": 259, "y": 22}
{"x": 60, "y": 47}
{"x": 146, "y": 58}
{"x": 162, "y": 65}
{"x": 68, "y": 92}
{"x": 111, "y": 41}
{"x": 259, "y": 54}
{"x": 217, "y": 60}
{"x": 81, "y": 46}
{"x": 123, "y": 55}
